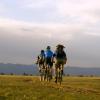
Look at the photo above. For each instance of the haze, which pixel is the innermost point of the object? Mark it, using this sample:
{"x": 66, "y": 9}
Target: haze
{"x": 27, "y": 26}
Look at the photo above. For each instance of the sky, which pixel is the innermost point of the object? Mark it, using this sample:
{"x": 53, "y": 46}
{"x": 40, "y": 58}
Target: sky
{"x": 27, "y": 26}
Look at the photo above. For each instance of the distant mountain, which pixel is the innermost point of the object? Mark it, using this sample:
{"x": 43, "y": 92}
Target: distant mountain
{"x": 33, "y": 69}
{"x": 82, "y": 71}
{"x": 18, "y": 69}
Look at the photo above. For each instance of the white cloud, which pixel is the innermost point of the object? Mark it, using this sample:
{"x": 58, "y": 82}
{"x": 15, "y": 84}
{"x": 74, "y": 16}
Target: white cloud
{"x": 94, "y": 34}
{"x": 82, "y": 9}
{"x": 47, "y": 30}
{"x": 37, "y": 4}
{"x": 2, "y": 8}
{"x": 77, "y": 21}
{"x": 33, "y": 3}
{"x": 76, "y": 11}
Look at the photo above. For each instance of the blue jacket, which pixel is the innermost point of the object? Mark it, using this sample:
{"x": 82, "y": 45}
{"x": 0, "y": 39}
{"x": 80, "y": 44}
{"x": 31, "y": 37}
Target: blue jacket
{"x": 48, "y": 54}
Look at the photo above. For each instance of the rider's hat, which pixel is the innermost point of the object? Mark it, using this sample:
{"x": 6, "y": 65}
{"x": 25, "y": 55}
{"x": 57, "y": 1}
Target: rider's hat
{"x": 60, "y": 46}
{"x": 42, "y": 50}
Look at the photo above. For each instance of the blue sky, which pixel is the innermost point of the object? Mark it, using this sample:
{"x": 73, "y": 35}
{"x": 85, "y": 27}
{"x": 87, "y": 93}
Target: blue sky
{"x": 27, "y": 26}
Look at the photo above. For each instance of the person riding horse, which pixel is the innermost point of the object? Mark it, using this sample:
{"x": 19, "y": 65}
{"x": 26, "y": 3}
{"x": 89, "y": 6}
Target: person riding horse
{"x": 60, "y": 56}
{"x": 41, "y": 60}
{"x": 49, "y": 60}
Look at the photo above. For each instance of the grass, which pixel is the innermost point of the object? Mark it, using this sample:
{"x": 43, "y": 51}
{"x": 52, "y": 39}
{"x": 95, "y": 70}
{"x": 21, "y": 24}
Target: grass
{"x": 30, "y": 88}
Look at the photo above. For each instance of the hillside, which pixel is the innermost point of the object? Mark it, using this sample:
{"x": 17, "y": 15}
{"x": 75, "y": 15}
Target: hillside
{"x": 33, "y": 69}
{"x": 30, "y": 88}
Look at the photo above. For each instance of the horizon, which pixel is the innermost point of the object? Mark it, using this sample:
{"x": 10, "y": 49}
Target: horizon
{"x": 27, "y": 26}
{"x": 66, "y": 66}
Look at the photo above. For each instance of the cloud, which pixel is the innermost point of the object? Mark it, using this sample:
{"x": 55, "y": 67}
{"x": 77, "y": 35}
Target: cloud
{"x": 37, "y": 4}
{"x": 47, "y": 30}
{"x": 2, "y": 8}
{"x": 64, "y": 11}
{"x": 34, "y": 24}
{"x": 33, "y": 4}
{"x": 94, "y": 34}
{"x": 82, "y": 9}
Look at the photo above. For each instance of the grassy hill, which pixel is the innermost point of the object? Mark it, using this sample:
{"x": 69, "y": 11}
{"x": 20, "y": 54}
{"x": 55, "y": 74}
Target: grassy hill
{"x": 30, "y": 88}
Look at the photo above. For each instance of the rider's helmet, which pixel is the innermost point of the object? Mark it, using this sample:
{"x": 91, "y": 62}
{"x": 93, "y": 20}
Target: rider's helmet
{"x": 60, "y": 46}
{"x": 42, "y": 51}
{"x": 48, "y": 47}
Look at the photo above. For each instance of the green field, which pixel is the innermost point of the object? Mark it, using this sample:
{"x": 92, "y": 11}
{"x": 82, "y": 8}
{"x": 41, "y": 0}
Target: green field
{"x": 30, "y": 88}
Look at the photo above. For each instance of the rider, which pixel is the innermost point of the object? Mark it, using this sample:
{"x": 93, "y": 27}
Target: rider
{"x": 60, "y": 56}
{"x": 49, "y": 58}
{"x": 41, "y": 60}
